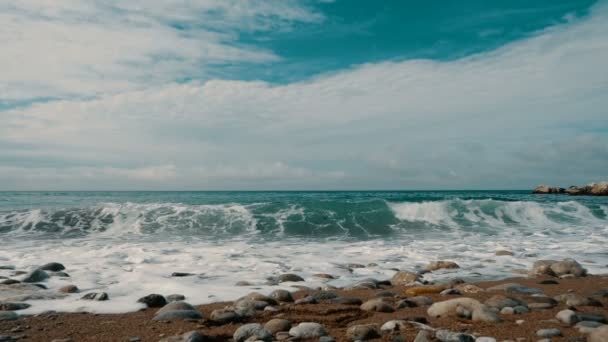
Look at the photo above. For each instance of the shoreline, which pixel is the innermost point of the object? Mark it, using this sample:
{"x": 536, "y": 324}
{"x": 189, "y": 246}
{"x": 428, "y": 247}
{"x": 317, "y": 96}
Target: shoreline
{"x": 337, "y": 317}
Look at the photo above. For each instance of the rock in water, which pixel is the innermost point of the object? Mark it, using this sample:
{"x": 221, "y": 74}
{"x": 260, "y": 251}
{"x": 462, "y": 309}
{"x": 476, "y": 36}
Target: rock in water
{"x": 308, "y": 330}
{"x": 175, "y": 298}
{"x": 404, "y": 278}
{"x": 545, "y": 189}
{"x": 362, "y": 332}
{"x": 8, "y": 316}
{"x": 98, "y": 296}
{"x": 289, "y": 277}
{"x": 441, "y": 264}
{"x": 52, "y": 266}
{"x": 153, "y": 300}
{"x": 251, "y": 332}
{"x": 13, "y": 306}
{"x": 35, "y": 276}
{"x": 69, "y": 289}
{"x": 568, "y": 266}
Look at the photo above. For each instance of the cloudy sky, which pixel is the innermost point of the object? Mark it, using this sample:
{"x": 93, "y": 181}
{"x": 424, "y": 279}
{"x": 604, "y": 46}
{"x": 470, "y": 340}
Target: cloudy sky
{"x": 302, "y": 94}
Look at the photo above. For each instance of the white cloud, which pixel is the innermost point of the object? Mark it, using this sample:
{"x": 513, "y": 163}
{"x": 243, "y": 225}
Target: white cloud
{"x": 63, "y": 48}
{"x": 410, "y": 124}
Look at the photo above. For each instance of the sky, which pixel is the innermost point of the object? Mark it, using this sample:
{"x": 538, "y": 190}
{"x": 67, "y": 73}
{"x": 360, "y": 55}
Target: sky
{"x": 302, "y": 94}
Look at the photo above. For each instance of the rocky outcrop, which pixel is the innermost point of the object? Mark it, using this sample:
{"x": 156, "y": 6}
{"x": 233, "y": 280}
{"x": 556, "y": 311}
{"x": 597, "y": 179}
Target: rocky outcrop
{"x": 545, "y": 189}
{"x": 593, "y": 189}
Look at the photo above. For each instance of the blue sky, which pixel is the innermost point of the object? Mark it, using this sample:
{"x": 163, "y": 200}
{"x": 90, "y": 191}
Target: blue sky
{"x": 278, "y": 94}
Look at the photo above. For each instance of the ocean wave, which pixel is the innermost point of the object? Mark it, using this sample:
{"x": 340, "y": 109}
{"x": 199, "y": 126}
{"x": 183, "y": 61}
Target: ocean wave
{"x": 367, "y": 218}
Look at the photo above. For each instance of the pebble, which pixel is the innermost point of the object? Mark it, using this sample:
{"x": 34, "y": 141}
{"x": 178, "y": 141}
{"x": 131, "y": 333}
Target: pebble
{"x": 175, "y": 298}
{"x": 423, "y": 336}
{"x": 153, "y": 300}
{"x": 177, "y": 314}
{"x": 404, "y": 278}
{"x": 324, "y": 295}
{"x": 181, "y": 274}
{"x": 306, "y": 300}
{"x": 277, "y": 324}
{"x": 362, "y": 332}
{"x": 377, "y": 305}
{"x": 567, "y": 317}
{"x": 69, "y": 289}
{"x": 52, "y": 266}
{"x": 223, "y": 316}
{"x": 98, "y": 296}
{"x": 289, "y": 277}
{"x": 7, "y": 306}
{"x": 281, "y": 296}
{"x": 8, "y": 316}
{"x": 599, "y": 334}
{"x": 449, "y": 336}
{"x": 253, "y": 332}
{"x": 308, "y": 330}
{"x": 35, "y": 276}
{"x": 441, "y": 264}
{"x": 548, "y": 333}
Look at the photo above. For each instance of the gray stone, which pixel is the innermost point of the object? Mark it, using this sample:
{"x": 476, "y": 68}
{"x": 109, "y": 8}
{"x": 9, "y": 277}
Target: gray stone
{"x": 174, "y": 306}
{"x": 567, "y": 317}
{"x": 568, "y": 267}
{"x": 223, "y": 316}
{"x": 540, "y": 306}
{"x": 377, "y": 305}
{"x": 175, "y": 298}
{"x": 500, "y": 301}
{"x": 599, "y": 334}
{"x": 324, "y": 295}
{"x": 449, "y": 336}
{"x": 35, "y": 276}
{"x": 393, "y": 325}
{"x": 326, "y": 339}
{"x": 362, "y": 332}
{"x": 242, "y": 283}
{"x": 507, "y": 311}
{"x": 308, "y": 330}
{"x": 423, "y": 336}
{"x": 404, "y": 278}
{"x": 256, "y": 296}
{"x": 181, "y": 274}
{"x": 515, "y": 288}
{"x": 289, "y": 277}
{"x": 52, "y": 266}
{"x": 463, "y": 312}
{"x": 480, "y": 312}
{"x": 8, "y": 316}
{"x": 153, "y": 300}
{"x": 485, "y": 339}
{"x": 8, "y": 306}
{"x": 98, "y": 296}
{"x": 277, "y": 324}
{"x": 346, "y": 301}
{"x": 572, "y": 299}
{"x": 592, "y": 317}
{"x": 548, "y": 333}
{"x": 416, "y": 301}
{"x": 192, "y": 336}
{"x": 306, "y": 300}
{"x": 177, "y": 314}
{"x": 281, "y": 296}
{"x": 252, "y": 332}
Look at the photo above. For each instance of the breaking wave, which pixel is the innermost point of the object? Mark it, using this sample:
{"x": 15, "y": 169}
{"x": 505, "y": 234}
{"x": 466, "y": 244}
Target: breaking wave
{"x": 375, "y": 217}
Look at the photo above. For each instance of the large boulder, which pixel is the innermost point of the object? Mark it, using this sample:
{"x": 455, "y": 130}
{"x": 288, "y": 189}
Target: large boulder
{"x": 545, "y": 189}
{"x": 598, "y": 189}
{"x": 479, "y": 311}
{"x": 404, "y": 278}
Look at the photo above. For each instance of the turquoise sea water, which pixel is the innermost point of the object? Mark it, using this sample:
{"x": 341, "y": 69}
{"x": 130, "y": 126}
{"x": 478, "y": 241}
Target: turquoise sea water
{"x": 128, "y": 243}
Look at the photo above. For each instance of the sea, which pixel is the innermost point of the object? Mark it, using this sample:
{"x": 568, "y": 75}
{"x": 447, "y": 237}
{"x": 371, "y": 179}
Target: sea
{"x": 128, "y": 244}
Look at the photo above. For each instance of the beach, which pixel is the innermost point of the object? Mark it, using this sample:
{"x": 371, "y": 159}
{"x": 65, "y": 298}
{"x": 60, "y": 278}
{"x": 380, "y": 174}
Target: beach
{"x": 336, "y": 318}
